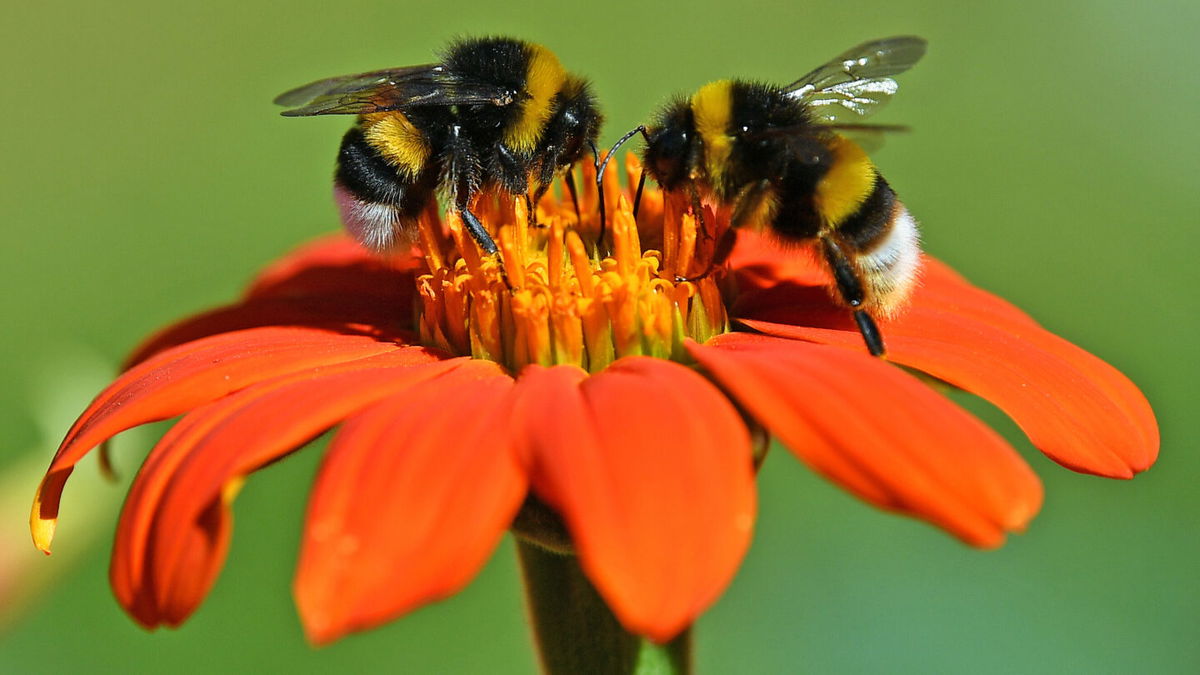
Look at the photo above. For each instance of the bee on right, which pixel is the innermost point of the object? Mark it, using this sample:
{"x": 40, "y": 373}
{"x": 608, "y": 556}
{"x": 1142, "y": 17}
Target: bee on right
{"x": 774, "y": 155}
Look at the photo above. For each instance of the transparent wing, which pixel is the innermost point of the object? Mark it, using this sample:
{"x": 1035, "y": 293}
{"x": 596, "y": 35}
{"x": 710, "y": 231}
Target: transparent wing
{"x": 870, "y": 60}
{"x": 391, "y": 89}
{"x": 870, "y": 137}
{"x": 857, "y": 83}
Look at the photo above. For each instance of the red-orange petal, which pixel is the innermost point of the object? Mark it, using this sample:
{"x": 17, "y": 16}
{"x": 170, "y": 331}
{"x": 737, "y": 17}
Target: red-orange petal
{"x": 127, "y": 567}
{"x": 336, "y": 266}
{"x": 352, "y": 315}
{"x": 413, "y": 497}
{"x": 879, "y": 432}
{"x": 175, "y": 524}
{"x": 331, "y": 283}
{"x": 1077, "y": 409}
{"x": 183, "y": 378}
{"x": 650, "y": 467}
{"x": 760, "y": 261}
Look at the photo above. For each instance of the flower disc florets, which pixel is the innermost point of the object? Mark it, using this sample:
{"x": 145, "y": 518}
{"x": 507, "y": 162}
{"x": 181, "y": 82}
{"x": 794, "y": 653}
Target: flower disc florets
{"x": 558, "y": 295}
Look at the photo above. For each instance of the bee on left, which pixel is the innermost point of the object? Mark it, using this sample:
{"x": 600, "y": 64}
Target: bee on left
{"x": 494, "y": 113}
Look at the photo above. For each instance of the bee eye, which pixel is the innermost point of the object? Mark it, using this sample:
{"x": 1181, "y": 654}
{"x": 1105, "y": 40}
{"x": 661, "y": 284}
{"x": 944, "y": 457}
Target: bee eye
{"x": 672, "y": 145}
{"x": 745, "y": 129}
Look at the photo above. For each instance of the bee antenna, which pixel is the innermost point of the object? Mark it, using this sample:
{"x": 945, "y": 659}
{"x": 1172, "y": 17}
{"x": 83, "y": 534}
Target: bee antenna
{"x": 601, "y": 167}
{"x": 641, "y": 129}
{"x": 599, "y": 191}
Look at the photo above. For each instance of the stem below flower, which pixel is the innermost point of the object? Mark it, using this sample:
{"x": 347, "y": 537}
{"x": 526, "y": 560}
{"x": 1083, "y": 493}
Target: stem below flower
{"x": 576, "y": 632}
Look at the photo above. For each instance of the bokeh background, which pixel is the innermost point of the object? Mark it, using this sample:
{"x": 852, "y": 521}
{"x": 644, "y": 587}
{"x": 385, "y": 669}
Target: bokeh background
{"x": 145, "y": 176}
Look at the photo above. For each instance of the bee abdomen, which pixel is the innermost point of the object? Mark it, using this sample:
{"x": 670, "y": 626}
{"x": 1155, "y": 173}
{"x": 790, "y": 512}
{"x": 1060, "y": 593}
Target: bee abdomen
{"x": 885, "y": 240}
{"x": 869, "y": 223}
{"x": 377, "y": 205}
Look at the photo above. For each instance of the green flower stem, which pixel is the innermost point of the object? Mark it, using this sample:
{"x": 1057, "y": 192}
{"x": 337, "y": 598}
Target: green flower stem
{"x": 575, "y": 631}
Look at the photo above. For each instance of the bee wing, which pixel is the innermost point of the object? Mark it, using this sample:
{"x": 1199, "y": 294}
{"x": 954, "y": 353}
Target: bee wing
{"x": 391, "y": 89}
{"x": 857, "y": 82}
{"x": 870, "y": 137}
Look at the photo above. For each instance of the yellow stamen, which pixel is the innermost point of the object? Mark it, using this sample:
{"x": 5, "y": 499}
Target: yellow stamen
{"x": 581, "y": 264}
{"x": 548, "y": 297}
{"x": 431, "y": 240}
{"x": 514, "y": 262}
{"x": 455, "y": 312}
{"x": 554, "y": 254}
{"x": 686, "y": 244}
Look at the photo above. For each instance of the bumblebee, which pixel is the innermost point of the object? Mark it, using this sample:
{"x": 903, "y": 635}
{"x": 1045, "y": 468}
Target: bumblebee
{"x": 774, "y": 156}
{"x": 494, "y": 113}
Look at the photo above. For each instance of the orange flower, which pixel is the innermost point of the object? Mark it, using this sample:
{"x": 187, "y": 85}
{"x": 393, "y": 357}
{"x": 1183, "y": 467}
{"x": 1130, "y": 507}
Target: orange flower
{"x": 612, "y": 390}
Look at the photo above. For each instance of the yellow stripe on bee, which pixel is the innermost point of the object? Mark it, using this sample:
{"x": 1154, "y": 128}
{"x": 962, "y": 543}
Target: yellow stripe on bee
{"x": 848, "y": 183}
{"x": 400, "y": 143}
{"x": 544, "y": 77}
{"x": 712, "y": 109}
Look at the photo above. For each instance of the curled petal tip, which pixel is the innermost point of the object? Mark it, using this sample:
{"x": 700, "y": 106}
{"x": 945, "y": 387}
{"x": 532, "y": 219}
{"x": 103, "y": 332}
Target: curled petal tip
{"x": 42, "y": 530}
{"x": 42, "y": 542}
{"x": 40, "y": 526}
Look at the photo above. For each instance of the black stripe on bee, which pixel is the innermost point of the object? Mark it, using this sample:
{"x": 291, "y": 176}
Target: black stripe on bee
{"x": 872, "y": 220}
{"x": 365, "y": 172}
{"x": 367, "y": 175}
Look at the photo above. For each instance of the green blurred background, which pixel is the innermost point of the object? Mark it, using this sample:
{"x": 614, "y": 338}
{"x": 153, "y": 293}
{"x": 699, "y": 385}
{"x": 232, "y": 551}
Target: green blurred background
{"x": 145, "y": 176}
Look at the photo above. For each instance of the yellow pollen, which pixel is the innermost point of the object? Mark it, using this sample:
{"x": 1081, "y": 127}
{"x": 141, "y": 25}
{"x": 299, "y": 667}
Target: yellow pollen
{"x": 554, "y": 295}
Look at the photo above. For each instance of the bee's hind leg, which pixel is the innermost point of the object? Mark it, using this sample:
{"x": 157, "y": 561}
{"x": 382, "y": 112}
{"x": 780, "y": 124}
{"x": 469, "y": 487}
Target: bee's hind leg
{"x": 850, "y": 287}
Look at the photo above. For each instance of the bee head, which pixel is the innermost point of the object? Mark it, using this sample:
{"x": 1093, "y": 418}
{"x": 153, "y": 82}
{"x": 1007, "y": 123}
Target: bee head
{"x": 670, "y": 146}
{"x": 570, "y": 131}
{"x": 580, "y": 120}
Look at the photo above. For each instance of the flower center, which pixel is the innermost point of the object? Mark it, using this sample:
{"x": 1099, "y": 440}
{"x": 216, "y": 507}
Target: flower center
{"x": 558, "y": 298}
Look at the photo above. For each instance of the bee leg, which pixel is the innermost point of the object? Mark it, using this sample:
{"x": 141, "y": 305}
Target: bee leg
{"x": 698, "y": 210}
{"x": 569, "y": 180}
{"x": 600, "y": 166}
{"x": 637, "y": 198}
{"x": 530, "y": 209}
{"x": 544, "y": 187}
{"x": 748, "y": 203}
{"x": 478, "y": 232}
{"x": 723, "y": 248}
{"x": 746, "y": 206}
{"x": 720, "y": 254}
{"x": 851, "y": 289}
